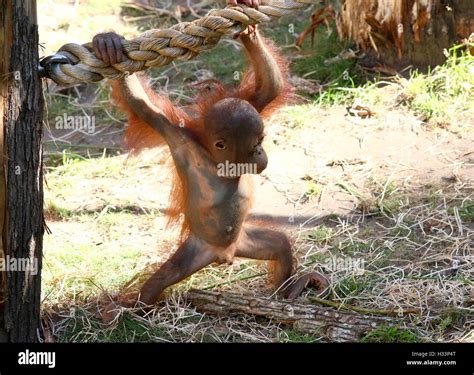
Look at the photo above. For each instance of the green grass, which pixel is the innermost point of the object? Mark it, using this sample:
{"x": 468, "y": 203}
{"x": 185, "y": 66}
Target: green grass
{"x": 401, "y": 232}
{"x": 350, "y": 287}
{"x": 74, "y": 166}
{"x": 86, "y": 330}
{"x": 314, "y": 65}
{"x": 321, "y": 234}
{"x": 355, "y": 247}
{"x": 297, "y": 337}
{"x": 336, "y": 78}
{"x": 313, "y": 188}
{"x": 385, "y": 334}
{"x": 54, "y": 211}
{"x": 72, "y": 175}
{"x": 224, "y": 61}
{"x": 388, "y": 198}
{"x": 466, "y": 212}
{"x": 449, "y": 318}
{"x": 75, "y": 267}
{"x": 442, "y": 97}
{"x": 446, "y": 92}
{"x": 96, "y": 233}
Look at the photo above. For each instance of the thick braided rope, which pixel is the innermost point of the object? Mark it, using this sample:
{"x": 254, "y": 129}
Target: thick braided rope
{"x": 155, "y": 48}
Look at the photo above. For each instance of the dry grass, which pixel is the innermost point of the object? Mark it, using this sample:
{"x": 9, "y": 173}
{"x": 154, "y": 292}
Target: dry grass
{"x": 418, "y": 257}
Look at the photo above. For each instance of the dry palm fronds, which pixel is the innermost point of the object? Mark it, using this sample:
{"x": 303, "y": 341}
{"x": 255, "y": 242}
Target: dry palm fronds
{"x": 371, "y": 23}
{"x": 321, "y": 16}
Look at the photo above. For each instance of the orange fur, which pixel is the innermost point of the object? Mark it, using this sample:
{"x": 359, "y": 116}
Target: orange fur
{"x": 139, "y": 135}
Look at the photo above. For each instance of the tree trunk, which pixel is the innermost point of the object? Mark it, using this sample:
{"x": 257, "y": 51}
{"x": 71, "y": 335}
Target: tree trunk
{"x": 450, "y": 22}
{"x": 21, "y": 178}
{"x": 334, "y": 325}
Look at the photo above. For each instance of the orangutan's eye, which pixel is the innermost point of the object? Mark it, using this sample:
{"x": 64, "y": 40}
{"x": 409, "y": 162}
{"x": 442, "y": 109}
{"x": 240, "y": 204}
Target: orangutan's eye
{"x": 220, "y": 145}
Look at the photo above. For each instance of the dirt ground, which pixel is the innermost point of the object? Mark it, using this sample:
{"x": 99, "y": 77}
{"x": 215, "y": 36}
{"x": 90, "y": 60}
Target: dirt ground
{"x": 331, "y": 149}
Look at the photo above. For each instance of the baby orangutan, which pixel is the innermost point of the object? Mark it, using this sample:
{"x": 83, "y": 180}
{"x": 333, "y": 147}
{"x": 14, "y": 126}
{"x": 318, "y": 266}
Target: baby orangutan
{"x": 223, "y": 127}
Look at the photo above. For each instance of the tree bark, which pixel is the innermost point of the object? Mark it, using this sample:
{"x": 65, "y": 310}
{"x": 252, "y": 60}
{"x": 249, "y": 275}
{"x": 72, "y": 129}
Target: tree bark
{"x": 21, "y": 181}
{"x": 334, "y": 325}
